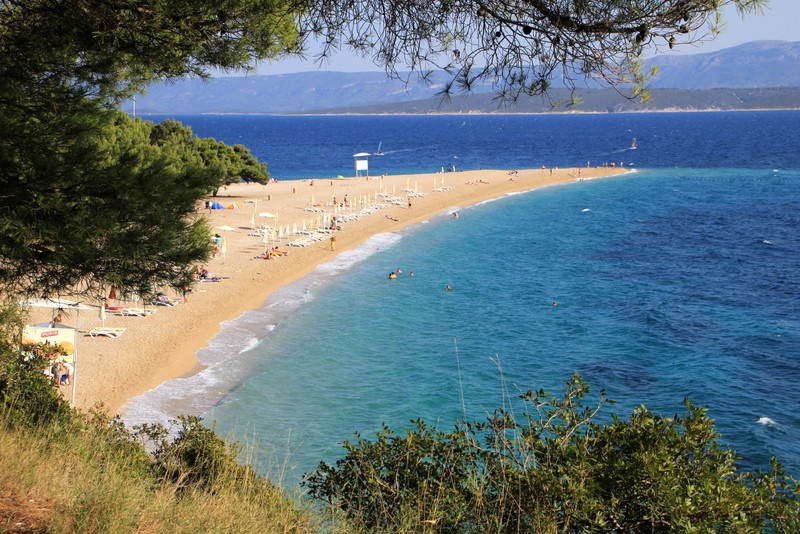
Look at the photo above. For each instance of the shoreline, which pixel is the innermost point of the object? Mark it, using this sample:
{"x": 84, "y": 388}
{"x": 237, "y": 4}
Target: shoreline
{"x": 165, "y": 345}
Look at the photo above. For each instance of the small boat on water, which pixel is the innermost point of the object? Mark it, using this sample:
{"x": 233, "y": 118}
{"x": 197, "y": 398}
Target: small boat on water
{"x": 634, "y": 144}
{"x": 378, "y": 152}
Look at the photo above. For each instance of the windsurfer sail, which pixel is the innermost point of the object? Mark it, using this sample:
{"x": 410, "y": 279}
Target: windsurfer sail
{"x": 634, "y": 144}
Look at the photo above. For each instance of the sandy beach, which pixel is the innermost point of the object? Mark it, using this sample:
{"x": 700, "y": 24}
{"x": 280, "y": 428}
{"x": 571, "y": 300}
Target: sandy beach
{"x": 163, "y": 345}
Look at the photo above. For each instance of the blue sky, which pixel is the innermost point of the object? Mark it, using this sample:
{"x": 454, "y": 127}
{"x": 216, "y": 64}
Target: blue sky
{"x": 779, "y": 22}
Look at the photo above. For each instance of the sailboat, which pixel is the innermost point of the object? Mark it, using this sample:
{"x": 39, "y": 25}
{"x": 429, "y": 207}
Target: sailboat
{"x": 634, "y": 144}
{"x": 378, "y": 152}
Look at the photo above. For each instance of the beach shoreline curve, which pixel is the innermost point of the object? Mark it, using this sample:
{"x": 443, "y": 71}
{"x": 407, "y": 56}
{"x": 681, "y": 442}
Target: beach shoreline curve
{"x": 164, "y": 346}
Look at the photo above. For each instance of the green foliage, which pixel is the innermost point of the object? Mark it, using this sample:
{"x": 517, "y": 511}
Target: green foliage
{"x": 110, "y": 49}
{"x": 557, "y": 469}
{"x": 425, "y": 473}
{"x": 221, "y": 164}
{"x": 197, "y": 458}
{"x": 103, "y": 207}
{"x": 88, "y": 200}
{"x": 28, "y": 398}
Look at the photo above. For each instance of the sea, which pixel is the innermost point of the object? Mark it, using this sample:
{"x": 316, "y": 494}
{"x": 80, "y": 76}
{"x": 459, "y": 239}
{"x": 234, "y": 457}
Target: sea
{"x": 677, "y": 280}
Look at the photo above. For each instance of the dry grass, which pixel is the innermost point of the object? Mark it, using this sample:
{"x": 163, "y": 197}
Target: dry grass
{"x": 74, "y": 482}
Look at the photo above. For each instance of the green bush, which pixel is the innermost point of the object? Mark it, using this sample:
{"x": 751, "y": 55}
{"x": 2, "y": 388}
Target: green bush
{"x": 198, "y": 458}
{"x": 27, "y": 396}
{"x": 557, "y": 469}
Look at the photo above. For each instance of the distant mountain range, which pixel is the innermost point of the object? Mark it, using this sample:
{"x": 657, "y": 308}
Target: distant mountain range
{"x": 759, "y": 74}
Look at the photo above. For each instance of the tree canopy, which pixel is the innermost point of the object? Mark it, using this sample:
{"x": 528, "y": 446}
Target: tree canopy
{"x": 520, "y": 45}
{"x": 110, "y": 208}
{"x": 89, "y": 197}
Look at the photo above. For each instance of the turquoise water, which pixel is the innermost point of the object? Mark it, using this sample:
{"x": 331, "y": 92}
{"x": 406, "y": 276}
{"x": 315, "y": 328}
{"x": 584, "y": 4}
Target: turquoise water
{"x": 670, "y": 283}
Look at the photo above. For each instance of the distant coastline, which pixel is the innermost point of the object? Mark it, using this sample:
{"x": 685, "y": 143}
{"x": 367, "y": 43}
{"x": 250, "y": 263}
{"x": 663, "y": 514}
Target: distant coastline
{"x": 456, "y": 114}
{"x": 500, "y": 114}
{"x": 595, "y": 101}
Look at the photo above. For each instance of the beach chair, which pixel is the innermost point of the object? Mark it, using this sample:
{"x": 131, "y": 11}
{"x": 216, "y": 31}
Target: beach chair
{"x": 135, "y": 312}
{"x": 106, "y": 332}
{"x": 163, "y": 300}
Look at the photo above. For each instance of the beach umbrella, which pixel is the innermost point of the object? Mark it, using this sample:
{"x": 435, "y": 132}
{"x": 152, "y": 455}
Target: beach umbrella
{"x": 267, "y": 215}
{"x": 103, "y": 313}
{"x": 294, "y": 228}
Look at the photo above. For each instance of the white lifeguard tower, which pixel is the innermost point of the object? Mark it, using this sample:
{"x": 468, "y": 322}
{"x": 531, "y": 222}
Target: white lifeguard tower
{"x": 362, "y": 163}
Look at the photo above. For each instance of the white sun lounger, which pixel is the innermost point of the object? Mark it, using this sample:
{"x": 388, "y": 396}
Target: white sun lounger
{"x": 106, "y": 332}
{"x": 135, "y": 312}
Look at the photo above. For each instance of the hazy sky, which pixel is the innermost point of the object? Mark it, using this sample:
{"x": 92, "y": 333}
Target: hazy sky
{"x": 779, "y": 22}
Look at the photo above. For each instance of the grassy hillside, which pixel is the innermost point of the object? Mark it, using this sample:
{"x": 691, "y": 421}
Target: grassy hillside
{"x": 82, "y": 476}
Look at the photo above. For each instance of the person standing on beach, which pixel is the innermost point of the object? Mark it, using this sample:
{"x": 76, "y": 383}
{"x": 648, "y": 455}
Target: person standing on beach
{"x": 333, "y": 242}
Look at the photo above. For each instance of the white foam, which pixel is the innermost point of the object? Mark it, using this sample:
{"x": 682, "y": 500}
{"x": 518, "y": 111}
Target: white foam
{"x": 766, "y": 421}
{"x": 229, "y": 357}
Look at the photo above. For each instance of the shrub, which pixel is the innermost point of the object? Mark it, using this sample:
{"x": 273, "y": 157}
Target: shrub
{"x": 198, "y": 458}
{"x": 557, "y": 469}
{"x": 27, "y": 395}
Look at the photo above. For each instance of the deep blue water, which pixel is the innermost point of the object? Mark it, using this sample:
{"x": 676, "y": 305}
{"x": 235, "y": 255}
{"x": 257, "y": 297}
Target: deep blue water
{"x": 303, "y": 147}
{"x": 678, "y": 280}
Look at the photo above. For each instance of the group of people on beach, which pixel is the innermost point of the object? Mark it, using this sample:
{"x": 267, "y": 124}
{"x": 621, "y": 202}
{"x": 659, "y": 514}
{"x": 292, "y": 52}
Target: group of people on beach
{"x": 62, "y": 372}
{"x": 274, "y": 252}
